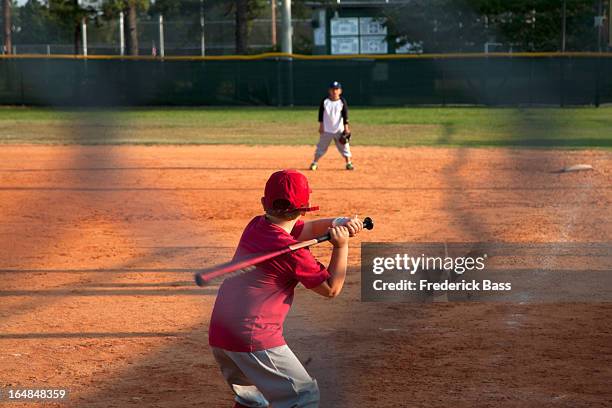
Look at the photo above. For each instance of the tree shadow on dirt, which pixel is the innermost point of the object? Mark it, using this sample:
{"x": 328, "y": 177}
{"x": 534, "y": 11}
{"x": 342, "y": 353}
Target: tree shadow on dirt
{"x": 88, "y": 335}
{"x": 43, "y": 208}
{"x": 181, "y": 372}
{"x": 139, "y": 168}
{"x": 72, "y": 291}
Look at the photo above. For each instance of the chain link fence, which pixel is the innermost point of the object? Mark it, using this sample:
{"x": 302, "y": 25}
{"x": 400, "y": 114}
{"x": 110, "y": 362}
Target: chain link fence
{"x": 338, "y": 27}
{"x": 180, "y": 38}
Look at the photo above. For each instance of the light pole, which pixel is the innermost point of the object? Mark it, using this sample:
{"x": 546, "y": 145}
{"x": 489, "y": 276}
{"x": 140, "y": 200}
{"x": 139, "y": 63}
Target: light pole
{"x": 287, "y": 31}
{"x": 162, "y": 47}
{"x": 273, "y": 27}
{"x": 202, "y": 34}
{"x": 287, "y": 46}
{"x": 600, "y": 24}
{"x": 84, "y": 35}
{"x": 8, "y": 44}
{"x": 121, "y": 34}
{"x": 564, "y": 25}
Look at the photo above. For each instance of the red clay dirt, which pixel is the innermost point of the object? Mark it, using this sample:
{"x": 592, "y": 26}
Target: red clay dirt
{"x": 98, "y": 246}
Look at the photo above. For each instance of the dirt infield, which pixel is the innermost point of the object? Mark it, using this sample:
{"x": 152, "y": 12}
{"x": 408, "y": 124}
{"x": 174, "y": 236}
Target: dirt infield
{"x": 99, "y": 245}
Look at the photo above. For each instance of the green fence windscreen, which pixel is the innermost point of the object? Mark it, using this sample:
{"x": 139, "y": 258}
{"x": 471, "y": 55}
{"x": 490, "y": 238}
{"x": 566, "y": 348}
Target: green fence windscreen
{"x": 522, "y": 80}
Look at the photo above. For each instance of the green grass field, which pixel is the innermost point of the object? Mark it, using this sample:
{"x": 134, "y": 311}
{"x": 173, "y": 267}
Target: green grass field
{"x": 537, "y": 127}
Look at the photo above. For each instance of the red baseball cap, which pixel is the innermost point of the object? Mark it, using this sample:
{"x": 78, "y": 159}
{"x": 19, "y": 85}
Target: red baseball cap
{"x": 290, "y": 185}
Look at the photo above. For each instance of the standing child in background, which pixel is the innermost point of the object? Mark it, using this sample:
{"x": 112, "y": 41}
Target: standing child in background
{"x": 246, "y": 326}
{"x": 333, "y": 124}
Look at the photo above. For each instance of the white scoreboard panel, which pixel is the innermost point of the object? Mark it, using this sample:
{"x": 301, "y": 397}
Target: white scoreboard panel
{"x": 371, "y": 26}
{"x": 345, "y": 45}
{"x": 373, "y": 44}
{"x": 344, "y": 26}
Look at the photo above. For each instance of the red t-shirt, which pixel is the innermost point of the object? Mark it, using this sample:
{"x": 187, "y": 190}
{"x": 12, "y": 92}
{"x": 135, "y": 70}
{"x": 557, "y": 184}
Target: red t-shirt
{"x": 251, "y": 307}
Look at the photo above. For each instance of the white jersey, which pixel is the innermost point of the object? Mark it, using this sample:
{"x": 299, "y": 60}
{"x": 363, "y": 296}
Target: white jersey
{"x": 333, "y": 114}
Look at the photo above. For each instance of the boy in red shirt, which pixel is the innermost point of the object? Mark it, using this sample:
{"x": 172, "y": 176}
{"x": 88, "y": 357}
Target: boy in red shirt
{"x": 246, "y": 327}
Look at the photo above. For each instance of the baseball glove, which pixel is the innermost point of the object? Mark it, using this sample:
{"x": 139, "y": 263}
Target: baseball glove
{"x": 345, "y": 138}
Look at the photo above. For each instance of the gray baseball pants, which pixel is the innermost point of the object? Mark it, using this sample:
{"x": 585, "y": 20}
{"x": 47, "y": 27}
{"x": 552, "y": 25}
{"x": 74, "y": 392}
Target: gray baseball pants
{"x": 268, "y": 377}
{"x": 324, "y": 141}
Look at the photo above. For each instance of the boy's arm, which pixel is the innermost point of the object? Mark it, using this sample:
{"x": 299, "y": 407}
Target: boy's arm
{"x": 321, "y": 109}
{"x": 345, "y": 116}
{"x": 316, "y": 228}
{"x": 337, "y": 264}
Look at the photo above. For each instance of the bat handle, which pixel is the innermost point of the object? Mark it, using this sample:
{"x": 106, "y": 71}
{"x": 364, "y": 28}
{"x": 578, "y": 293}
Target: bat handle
{"x": 367, "y": 224}
{"x": 199, "y": 280}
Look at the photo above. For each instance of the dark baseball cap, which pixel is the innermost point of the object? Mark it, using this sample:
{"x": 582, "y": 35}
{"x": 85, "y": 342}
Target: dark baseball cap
{"x": 335, "y": 84}
{"x": 291, "y": 186}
